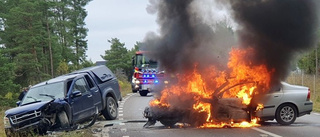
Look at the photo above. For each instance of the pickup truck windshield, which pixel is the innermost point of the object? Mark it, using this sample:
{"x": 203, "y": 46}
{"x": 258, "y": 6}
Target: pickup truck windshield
{"x": 44, "y": 93}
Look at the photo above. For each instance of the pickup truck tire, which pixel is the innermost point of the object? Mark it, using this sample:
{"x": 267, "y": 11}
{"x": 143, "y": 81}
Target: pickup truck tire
{"x": 143, "y": 92}
{"x": 286, "y": 114}
{"x": 111, "y": 110}
{"x": 63, "y": 120}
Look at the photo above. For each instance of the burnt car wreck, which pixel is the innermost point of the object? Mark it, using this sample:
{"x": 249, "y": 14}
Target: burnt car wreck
{"x": 281, "y": 104}
{"x": 227, "y": 111}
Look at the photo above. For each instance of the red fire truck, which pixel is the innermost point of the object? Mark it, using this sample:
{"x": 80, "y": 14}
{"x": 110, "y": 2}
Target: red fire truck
{"x": 146, "y": 76}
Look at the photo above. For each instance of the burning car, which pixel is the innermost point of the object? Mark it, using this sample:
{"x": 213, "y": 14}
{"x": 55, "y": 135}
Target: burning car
{"x": 284, "y": 104}
{"x": 239, "y": 97}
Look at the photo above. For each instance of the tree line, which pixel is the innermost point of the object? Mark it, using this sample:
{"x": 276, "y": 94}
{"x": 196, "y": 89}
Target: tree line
{"x": 42, "y": 39}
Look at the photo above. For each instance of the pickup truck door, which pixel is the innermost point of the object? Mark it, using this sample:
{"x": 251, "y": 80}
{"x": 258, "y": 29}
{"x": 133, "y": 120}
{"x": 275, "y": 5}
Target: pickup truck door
{"x": 82, "y": 105}
{"x": 97, "y": 97}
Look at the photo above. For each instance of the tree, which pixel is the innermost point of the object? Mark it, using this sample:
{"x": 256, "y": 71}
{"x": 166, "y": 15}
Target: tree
{"x": 117, "y": 57}
{"x": 7, "y": 74}
{"x": 309, "y": 62}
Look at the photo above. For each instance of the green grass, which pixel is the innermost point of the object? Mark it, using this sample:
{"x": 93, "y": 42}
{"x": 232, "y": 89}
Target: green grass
{"x": 2, "y": 109}
{"x": 125, "y": 87}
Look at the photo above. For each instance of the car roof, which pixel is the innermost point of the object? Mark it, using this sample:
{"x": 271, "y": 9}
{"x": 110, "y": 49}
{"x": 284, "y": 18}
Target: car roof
{"x": 57, "y": 79}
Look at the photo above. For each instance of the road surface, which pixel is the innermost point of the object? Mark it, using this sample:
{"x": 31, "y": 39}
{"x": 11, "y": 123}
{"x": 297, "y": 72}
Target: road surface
{"x": 130, "y": 124}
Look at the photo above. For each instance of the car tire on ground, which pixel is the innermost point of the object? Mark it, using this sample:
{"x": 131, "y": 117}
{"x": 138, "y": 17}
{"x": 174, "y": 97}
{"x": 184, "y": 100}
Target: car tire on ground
{"x": 168, "y": 122}
{"x": 111, "y": 110}
{"x": 286, "y": 114}
{"x": 143, "y": 92}
{"x": 63, "y": 120}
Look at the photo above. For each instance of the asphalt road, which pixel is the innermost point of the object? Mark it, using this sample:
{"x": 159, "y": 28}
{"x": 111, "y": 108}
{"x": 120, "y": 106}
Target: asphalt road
{"x": 130, "y": 124}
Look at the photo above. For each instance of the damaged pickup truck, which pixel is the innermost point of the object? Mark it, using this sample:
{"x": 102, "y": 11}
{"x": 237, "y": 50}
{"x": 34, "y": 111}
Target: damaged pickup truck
{"x": 64, "y": 102}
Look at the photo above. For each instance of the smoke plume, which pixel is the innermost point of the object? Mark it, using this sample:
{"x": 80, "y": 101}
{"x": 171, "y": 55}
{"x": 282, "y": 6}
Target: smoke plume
{"x": 276, "y": 29}
{"x": 185, "y": 38}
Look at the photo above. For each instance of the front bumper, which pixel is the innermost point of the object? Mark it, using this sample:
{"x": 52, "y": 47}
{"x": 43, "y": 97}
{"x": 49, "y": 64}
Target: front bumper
{"x": 41, "y": 125}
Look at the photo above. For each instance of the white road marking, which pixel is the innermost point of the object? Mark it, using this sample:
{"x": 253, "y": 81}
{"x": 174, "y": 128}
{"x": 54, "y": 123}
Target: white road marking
{"x": 123, "y": 130}
{"x": 120, "y": 108}
{"x": 121, "y": 124}
{"x": 263, "y": 135}
{"x": 125, "y": 136}
{"x": 120, "y": 111}
{"x": 265, "y": 132}
{"x": 120, "y": 118}
{"x": 120, "y": 115}
{"x": 316, "y": 114}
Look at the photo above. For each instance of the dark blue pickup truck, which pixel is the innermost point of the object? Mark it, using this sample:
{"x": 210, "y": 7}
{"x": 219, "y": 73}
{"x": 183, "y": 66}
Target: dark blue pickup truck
{"x": 65, "y": 102}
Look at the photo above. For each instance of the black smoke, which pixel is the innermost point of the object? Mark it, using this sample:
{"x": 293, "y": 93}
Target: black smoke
{"x": 184, "y": 40}
{"x": 277, "y": 29}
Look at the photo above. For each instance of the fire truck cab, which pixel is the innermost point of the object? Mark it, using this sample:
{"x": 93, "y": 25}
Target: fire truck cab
{"x": 146, "y": 76}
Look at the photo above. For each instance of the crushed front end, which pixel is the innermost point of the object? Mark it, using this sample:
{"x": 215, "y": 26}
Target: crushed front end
{"x": 38, "y": 117}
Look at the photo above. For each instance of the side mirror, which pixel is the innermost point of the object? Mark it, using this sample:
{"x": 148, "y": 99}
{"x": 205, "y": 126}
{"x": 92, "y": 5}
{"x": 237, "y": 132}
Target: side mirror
{"x": 18, "y": 103}
{"x": 76, "y": 93}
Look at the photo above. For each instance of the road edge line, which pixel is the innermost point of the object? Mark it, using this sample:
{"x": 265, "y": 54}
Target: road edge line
{"x": 265, "y": 132}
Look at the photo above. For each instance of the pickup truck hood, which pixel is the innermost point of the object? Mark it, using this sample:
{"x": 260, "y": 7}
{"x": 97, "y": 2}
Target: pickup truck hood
{"x": 26, "y": 108}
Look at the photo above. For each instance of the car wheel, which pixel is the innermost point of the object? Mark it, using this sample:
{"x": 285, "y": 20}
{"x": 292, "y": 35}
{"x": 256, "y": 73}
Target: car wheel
{"x": 63, "y": 120}
{"x": 286, "y": 114}
{"x": 143, "y": 92}
{"x": 168, "y": 122}
{"x": 111, "y": 110}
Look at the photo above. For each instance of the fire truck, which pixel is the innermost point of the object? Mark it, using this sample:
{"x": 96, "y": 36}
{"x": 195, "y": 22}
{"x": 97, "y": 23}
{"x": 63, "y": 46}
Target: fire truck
{"x": 146, "y": 75}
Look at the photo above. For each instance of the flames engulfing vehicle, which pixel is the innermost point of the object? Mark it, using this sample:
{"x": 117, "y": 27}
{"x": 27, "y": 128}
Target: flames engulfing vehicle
{"x": 210, "y": 87}
{"x": 146, "y": 76}
{"x": 64, "y": 102}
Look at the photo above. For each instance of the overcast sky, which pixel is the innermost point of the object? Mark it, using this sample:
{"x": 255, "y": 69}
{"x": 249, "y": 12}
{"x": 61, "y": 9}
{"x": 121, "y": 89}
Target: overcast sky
{"x": 126, "y": 20}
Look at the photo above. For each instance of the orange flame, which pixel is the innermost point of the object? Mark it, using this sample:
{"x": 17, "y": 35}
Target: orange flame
{"x": 242, "y": 80}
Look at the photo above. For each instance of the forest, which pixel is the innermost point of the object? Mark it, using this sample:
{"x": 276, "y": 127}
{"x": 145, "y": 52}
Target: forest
{"x": 42, "y": 39}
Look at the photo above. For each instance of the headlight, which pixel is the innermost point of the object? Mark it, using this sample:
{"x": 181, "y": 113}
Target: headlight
{"x": 137, "y": 81}
{"x": 166, "y": 82}
{"x": 6, "y": 122}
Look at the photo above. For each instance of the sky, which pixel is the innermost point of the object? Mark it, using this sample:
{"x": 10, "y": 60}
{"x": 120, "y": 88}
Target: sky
{"x": 126, "y": 20}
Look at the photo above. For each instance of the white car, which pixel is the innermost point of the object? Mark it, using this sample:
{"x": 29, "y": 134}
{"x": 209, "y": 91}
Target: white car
{"x": 284, "y": 103}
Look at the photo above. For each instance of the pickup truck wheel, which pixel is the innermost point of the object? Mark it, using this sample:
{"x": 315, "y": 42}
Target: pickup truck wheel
{"x": 143, "y": 92}
{"x": 63, "y": 120}
{"x": 286, "y": 114}
{"x": 111, "y": 110}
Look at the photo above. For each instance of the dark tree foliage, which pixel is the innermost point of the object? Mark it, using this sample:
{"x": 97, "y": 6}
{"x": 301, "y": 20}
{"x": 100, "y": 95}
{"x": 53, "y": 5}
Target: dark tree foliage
{"x": 41, "y": 39}
{"x": 117, "y": 57}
